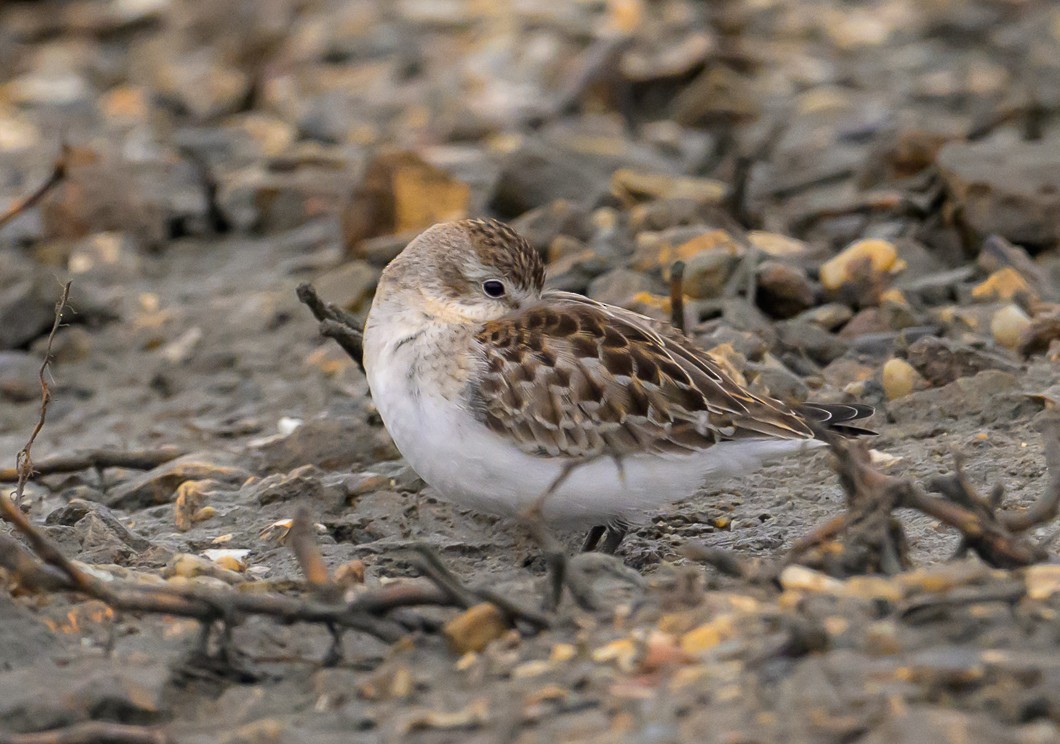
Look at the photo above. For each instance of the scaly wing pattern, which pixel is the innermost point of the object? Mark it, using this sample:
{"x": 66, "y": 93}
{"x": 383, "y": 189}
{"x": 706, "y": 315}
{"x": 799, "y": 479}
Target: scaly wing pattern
{"x": 571, "y": 377}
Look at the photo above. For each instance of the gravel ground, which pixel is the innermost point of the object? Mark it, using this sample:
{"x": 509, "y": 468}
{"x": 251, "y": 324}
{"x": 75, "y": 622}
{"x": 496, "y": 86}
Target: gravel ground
{"x": 865, "y": 196}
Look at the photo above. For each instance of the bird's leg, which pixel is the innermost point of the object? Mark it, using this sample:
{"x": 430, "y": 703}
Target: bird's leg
{"x": 593, "y": 538}
{"x": 615, "y": 534}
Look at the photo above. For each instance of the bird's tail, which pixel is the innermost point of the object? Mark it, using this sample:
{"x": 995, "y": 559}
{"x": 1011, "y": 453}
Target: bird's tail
{"x": 838, "y": 417}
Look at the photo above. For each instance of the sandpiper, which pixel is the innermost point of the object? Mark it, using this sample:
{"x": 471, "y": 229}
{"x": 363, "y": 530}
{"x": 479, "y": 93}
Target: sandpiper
{"x": 497, "y": 390}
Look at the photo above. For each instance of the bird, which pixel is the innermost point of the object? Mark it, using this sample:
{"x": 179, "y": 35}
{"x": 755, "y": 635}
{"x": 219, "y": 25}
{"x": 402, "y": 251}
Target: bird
{"x": 507, "y": 397}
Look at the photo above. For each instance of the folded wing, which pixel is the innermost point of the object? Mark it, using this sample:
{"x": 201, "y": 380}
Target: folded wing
{"x": 571, "y": 377}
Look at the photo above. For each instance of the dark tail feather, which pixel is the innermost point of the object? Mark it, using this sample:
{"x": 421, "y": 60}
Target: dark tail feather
{"x": 837, "y": 416}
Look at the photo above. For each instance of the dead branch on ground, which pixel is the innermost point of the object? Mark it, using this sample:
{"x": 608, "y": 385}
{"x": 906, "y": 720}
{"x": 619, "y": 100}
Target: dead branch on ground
{"x": 57, "y": 176}
{"x": 91, "y": 732}
{"x": 335, "y": 323}
{"x": 867, "y": 538}
{"x": 97, "y": 460}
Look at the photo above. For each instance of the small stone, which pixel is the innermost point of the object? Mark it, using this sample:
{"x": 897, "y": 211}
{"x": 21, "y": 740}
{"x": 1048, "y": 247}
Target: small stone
{"x": 400, "y": 192}
{"x": 783, "y": 290}
{"x": 539, "y": 172}
{"x": 349, "y": 286}
{"x": 620, "y": 286}
{"x": 817, "y": 343}
{"x": 1043, "y": 580}
{"x": 233, "y": 559}
{"x": 204, "y": 514}
{"x": 707, "y": 273}
{"x": 776, "y": 380}
{"x": 159, "y": 486}
{"x": 111, "y": 254}
{"x": 1043, "y": 334}
{"x": 866, "y": 321}
{"x": 18, "y": 376}
{"x": 845, "y": 370}
{"x": 473, "y": 629}
{"x": 632, "y": 186}
{"x": 191, "y": 498}
{"x": 801, "y": 579}
{"x": 1004, "y": 285}
{"x": 942, "y": 361}
{"x": 1010, "y": 188}
{"x": 188, "y": 566}
{"x": 899, "y": 378}
{"x": 330, "y": 443}
{"x": 656, "y": 251}
{"x": 998, "y": 253}
{"x": 829, "y": 316}
{"x": 27, "y": 309}
{"x": 350, "y": 573}
{"x": 778, "y": 246}
{"x": 895, "y": 311}
{"x": 869, "y": 261}
{"x": 1009, "y": 326}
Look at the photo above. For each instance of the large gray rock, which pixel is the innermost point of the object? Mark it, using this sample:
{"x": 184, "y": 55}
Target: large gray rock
{"x": 1012, "y": 189}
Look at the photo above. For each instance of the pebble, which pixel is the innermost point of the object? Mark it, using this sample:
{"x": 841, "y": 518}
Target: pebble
{"x": 1043, "y": 581}
{"x": 27, "y": 308}
{"x": 1010, "y": 326}
{"x": 621, "y": 286}
{"x": 159, "y": 486}
{"x": 539, "y": 172}
{"x": 783, "y": 290}
{"x": 400, "y": 193}
{"x": 631, "y": 186}
{"x": 349, "y": 286}
{"x": 1011, "y": 188}
{"x": 830, "y": 316}
{"x": 864, "y": 260}
{"x": 942, "y": 361}
{"x": 188, "y": 566}
{"x": 899, "y": 378}
{"x": 1003, "y": 285}
{"x": 777, "y": 245}
{"x": 473, "y": 629}
{"x": 817, "y": 343}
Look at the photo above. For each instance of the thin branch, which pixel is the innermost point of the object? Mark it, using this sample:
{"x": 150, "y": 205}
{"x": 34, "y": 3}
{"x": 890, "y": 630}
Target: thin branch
{"x": 677, "y": 296}
{"x": 335, "y": 323}
{"x": 307, "y": 553}
{"x": 57, "y": 176}
{"x": 91, "y": 732}
{"x": 1047, "y": 507}
{"x": 24, "y": 461}
{"x": 97, "y": 460}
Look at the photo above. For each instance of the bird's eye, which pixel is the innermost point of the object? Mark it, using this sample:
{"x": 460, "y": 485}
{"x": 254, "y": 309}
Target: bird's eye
{"x": 493, "y": 288}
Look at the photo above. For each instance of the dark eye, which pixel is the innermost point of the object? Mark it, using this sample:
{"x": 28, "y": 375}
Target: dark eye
{"x": 493, "y": 288}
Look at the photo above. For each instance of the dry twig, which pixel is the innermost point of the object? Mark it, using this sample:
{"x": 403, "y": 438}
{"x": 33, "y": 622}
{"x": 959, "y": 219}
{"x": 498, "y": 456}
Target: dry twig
{"x": 91, "y": 732}
{"x": 57, "y": 176}
{"x": 335, "y": 323}
{"x": 23, "y": 461}
{"x": 867, "y": 538}
{"x": 97, "y": 460}
{"x": 677, "y": 296}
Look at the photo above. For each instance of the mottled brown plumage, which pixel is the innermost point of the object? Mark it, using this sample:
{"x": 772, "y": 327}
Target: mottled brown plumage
{"x": 573, "y": 377}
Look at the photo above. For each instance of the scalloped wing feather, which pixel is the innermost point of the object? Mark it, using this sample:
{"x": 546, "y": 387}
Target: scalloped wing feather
{"x": 570, "y": 377}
